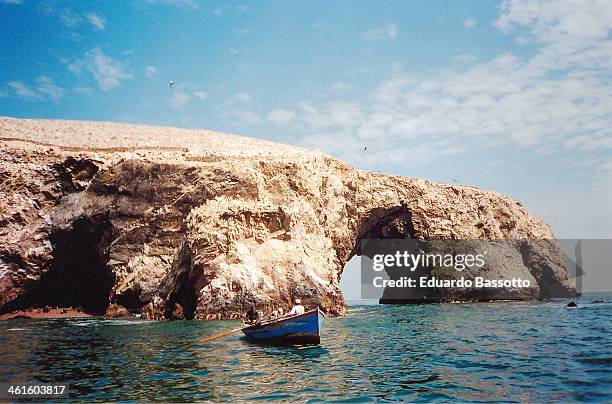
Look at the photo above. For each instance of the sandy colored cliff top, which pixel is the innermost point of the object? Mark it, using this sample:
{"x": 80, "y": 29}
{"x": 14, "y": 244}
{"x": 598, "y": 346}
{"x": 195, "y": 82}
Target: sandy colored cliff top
{"x": 94, "y": 136}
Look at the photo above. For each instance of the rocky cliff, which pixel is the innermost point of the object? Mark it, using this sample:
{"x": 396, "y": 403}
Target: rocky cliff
{"x": 95, "y": 213}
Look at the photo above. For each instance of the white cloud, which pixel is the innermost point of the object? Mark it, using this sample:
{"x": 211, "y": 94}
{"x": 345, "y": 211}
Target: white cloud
{"x": 607, "y": 166}
{"x": 97, "y": 21}
{"x": 22, "y": 90}
{"x": 388, "y": 31}
{"x": 244, "y": 97}
{"x": 555, "y": 100}
{"x": 83, "y": 90}
{"x": 521, "y": 40}
{"x": 179, "y": 100}
{"x": 47, "y": 87}
{"x": 247, "y": 117}
{"x": 200, "y": 94}
{"x": 106, "y": 71}
{"x": 240, "y": 9}
{"x": 340, "y": 87}
{"x": 334, "y": 114}
{"x": 72, "y": 19}
{"x": 575, "y": 21}
{"x": 43, "y": 88}
{"x": 151, "y": 71}
{"x": 280, "y": 116}
{"x": 185, "y": 4}
{"x": 465, "y": 57}
{"x": 69, "y": 18}
{"x": 469, "y": 22}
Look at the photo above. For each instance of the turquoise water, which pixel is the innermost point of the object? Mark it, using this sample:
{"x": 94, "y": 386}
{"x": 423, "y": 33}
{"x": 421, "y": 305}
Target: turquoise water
{"x": 534, "y": 351}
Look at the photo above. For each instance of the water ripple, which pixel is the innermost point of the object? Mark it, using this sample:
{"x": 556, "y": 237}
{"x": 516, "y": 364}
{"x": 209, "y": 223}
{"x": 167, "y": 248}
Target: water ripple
{"x": 511, "y": 352}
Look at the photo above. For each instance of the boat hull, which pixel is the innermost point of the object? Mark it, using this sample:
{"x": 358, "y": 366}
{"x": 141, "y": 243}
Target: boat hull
{"x": 297, "y": 330}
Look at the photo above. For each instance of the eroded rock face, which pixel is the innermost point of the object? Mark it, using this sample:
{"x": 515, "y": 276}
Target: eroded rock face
{"x": 217, "y": 222}
{"x": 177, "y": 312}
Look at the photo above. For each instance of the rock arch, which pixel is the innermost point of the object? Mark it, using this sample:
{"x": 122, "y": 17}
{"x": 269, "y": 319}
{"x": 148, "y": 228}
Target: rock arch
{"x": 259, "y": 222}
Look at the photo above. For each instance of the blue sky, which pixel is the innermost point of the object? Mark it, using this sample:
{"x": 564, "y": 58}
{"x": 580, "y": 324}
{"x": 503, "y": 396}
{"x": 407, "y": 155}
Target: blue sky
{"x": 513, "y": 96}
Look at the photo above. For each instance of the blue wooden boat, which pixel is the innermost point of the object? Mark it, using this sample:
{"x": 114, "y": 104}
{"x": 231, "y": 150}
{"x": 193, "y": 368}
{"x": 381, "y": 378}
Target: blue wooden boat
{"x": 303, "y": 329}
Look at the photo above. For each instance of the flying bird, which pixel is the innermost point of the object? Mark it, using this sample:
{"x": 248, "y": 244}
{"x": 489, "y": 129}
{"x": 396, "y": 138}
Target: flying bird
{"x": 365, "y": 148}
{"x": 172, "y": 82}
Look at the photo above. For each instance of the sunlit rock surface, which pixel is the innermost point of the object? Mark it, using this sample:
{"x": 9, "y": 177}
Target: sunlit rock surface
{"x": 93, "y": 213}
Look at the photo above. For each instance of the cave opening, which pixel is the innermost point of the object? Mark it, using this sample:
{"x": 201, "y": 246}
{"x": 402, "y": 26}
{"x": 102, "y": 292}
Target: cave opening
{"x": 181, "y": 286}
{"x": 186, "y": 296}
{"x": 380, "y": 224}
{"x": 130, "y": 299}
{"x": 78, "y": 276}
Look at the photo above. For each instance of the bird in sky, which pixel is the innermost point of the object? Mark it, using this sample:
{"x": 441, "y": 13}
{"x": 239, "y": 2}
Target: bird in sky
{"x": 172, "y": 82}
{"x": 365, "y": 148}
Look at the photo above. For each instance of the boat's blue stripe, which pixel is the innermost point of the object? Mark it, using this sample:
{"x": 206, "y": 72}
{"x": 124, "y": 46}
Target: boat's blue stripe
{"x": 303, "y": 325}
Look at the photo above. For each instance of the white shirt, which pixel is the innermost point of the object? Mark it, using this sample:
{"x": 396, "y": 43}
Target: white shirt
{"x": 297, "y": 310}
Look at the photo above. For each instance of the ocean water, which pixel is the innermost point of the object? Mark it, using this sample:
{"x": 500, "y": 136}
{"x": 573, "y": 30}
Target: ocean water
{"x": 506, "y": 351}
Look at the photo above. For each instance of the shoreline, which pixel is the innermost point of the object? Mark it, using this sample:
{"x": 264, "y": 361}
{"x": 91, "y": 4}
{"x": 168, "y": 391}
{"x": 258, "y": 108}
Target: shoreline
{"x": 70, "y": 312}
{"x": 46, "y": 313}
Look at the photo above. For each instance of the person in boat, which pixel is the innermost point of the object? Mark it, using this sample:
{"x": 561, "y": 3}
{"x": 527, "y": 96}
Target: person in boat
{"x": 252, "y": 316}
{"x": 297, "y": 309}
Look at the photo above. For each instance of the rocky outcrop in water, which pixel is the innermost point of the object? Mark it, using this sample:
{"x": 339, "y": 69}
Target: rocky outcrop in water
{"x": 117, "y": 311}
{"x": 95, "y": 213}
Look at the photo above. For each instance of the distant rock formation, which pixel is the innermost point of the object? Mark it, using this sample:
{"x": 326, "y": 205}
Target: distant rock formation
{"x": 95, "y": 213}
{"x": 117, "y": 311}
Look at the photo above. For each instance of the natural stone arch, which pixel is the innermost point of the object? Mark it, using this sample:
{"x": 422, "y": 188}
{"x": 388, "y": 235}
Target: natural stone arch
{"x": 384, "y": 223}
{"x": 260, "y": 222}
{"x": 394, "y": 222}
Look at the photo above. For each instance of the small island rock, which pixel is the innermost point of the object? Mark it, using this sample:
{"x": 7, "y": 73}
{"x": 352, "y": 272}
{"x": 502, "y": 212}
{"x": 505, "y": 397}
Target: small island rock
{"x": 117, "y": 311}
